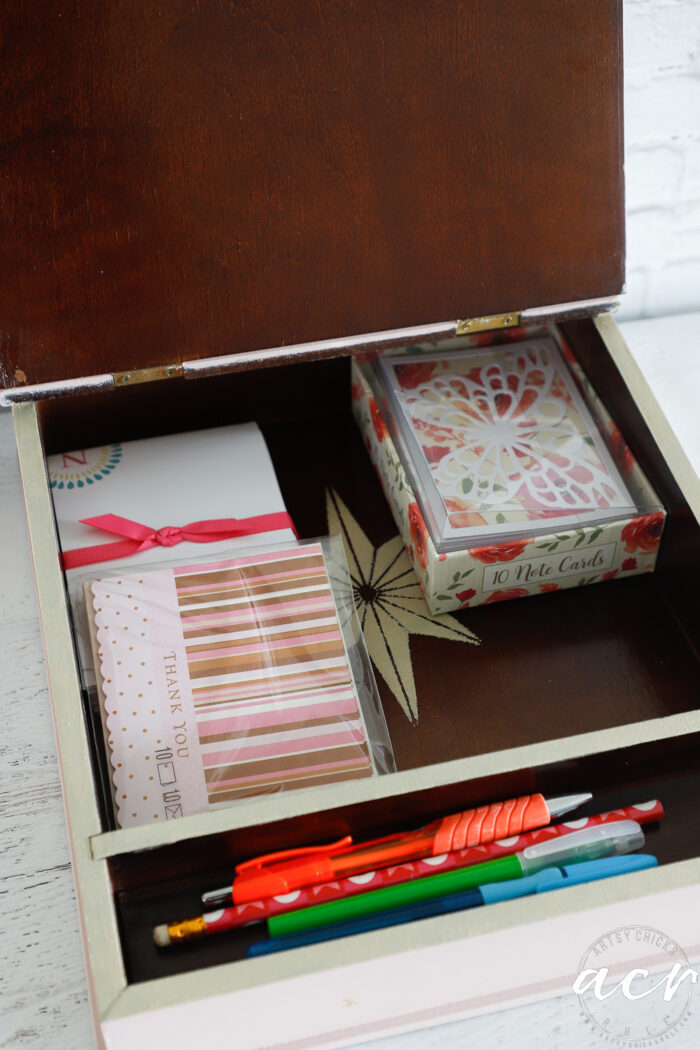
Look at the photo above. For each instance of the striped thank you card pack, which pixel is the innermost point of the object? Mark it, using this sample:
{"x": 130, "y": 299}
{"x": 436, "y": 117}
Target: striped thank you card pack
{"x": 224, "y": 680}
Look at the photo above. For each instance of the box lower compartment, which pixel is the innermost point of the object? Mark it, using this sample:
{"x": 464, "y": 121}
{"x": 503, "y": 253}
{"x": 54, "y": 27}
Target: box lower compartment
{"x": 619, "y": 778}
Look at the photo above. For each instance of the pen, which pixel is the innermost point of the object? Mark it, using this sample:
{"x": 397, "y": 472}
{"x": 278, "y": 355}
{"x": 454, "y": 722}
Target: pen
{"x": 588, "y": 844}
{"x": 230, "y": 917}
{"x": 553, "y": 878}
{"x": 289, "y": 870}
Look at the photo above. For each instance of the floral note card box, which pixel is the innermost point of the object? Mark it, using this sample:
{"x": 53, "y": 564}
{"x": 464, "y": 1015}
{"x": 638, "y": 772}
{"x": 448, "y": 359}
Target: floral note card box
{"x": 504, "y": 471}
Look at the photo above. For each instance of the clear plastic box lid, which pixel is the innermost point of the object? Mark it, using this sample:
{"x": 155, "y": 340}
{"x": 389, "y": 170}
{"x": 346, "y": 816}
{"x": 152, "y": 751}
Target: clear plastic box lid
{"x": 500, "y": 442}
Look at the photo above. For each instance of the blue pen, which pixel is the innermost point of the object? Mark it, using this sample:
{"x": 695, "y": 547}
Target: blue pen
{"x": 554, "y": 878}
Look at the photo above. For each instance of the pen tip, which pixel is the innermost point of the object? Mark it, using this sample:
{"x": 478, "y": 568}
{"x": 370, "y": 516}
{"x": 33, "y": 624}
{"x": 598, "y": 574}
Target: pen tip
{"x": 565, "y": 803}
{"x": 217, "y": 898}
{"x": 161, "y": 936}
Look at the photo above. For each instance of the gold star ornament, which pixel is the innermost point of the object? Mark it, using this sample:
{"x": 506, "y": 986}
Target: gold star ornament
{"x": 390, "y": 604}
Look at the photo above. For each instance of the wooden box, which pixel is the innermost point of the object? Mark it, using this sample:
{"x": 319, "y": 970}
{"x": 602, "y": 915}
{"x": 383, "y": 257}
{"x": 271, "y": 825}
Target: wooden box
{"x": 200, "y": 192}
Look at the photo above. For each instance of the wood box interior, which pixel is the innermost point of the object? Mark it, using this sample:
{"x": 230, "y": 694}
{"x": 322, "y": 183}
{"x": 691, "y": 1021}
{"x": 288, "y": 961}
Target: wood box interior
{"x": 548, "y": 668}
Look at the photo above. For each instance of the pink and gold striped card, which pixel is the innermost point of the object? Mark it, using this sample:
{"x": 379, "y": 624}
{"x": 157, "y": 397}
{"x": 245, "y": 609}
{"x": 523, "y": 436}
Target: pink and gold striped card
{"x": 224, "y": 680}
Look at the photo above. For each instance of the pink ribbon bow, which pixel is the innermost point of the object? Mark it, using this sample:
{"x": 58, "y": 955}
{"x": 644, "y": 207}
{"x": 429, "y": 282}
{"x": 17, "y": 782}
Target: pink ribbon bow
{"x": 141, "y": 537}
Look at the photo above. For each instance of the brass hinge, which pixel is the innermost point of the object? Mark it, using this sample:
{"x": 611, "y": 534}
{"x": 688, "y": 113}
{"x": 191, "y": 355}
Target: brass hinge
{"x": 147, "y": 375}
{"x": 488, "y": 324}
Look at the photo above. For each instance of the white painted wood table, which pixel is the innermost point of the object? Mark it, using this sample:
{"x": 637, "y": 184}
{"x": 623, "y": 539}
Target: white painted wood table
{"x": 43, "y": 998}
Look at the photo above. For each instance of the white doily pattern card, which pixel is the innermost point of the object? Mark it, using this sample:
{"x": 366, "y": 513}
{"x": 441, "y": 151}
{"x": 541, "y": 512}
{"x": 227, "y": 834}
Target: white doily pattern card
{"x": 500, "y": 441}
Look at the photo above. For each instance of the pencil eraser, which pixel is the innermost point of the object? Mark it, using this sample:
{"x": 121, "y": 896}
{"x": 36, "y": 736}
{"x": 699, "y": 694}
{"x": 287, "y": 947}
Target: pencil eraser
{"x": 161, "y": 936}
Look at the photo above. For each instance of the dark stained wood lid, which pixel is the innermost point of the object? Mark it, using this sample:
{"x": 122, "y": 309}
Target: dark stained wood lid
{"x": 187, "y": 180}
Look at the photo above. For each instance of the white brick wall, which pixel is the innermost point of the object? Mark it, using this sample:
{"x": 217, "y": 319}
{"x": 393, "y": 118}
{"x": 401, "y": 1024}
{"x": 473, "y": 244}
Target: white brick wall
{"x": 662, "y": 143}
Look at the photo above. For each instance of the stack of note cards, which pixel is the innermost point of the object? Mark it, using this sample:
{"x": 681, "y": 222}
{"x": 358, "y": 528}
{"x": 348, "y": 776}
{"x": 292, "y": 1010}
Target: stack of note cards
{"x": 223, "y": 680}
{"x": 168, "y": 481}
{"x": 162, "y": 484}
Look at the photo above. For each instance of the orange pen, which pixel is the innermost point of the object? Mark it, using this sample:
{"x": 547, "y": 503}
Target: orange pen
{"x": 289, "y": 870}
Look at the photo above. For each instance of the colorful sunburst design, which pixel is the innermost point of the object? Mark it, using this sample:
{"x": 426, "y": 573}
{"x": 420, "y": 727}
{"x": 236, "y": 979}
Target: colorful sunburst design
{"x": 75, "y": 470}
{"x": 390, "y": 604}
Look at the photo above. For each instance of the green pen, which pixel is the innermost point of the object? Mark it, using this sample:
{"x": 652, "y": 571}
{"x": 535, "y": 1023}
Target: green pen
{"x": 604, "y": 840}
